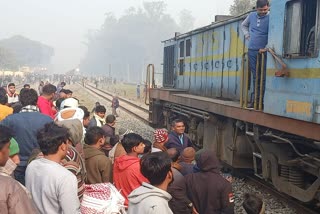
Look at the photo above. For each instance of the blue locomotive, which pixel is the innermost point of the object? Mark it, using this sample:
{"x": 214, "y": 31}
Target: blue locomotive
{"x": 206, "y": 81}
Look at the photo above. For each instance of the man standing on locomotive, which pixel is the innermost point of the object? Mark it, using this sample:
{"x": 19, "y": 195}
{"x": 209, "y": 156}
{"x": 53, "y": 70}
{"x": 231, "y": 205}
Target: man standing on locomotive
{"x": 255, "y": 28}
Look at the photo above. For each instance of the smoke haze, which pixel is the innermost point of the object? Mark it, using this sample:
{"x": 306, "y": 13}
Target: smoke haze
{"x": 64, "y": 24}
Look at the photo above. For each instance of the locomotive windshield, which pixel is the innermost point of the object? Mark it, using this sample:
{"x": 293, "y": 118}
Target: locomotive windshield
{"x": 300, "y": 31}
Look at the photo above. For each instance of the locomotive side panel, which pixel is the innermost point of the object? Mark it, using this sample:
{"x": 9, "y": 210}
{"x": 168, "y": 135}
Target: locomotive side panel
{"x": 233, "y": 50}
{"x": 213, "y": 67}
{"x": 295, "y": 96}
{"x": 281, "y": 144}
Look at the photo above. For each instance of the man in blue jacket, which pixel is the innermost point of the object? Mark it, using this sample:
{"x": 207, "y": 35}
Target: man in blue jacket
{"x": 255, "y": 29}
{"x": 177, "y": 138}
{"x": 25, "y": 126}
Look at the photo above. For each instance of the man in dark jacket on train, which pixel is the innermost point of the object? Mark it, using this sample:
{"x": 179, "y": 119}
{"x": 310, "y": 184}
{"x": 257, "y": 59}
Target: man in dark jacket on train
{"x": 207, "y": 189}
{"x": 177, "y": 138}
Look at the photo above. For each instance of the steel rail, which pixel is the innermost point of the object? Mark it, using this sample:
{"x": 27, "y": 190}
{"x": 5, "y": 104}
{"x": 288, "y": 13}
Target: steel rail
{"x": 298, "y": 206}
{"x": 131, "y": 108}
{"x": 120, "y": 99}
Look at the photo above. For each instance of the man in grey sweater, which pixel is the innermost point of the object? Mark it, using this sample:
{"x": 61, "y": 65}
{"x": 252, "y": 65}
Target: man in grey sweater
{"x": 153, "y": 198}
{"x": 53, "y": 188}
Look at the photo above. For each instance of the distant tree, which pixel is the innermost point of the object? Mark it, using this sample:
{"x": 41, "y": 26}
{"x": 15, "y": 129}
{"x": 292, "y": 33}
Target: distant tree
{"x": 186, "y": 20}
{"x": 21, "y": 51}
{"x": 7, "y": 60}
{"x": 127, "y": 44}
{"x": 155, "y": 9}
{"x": 241, "y": 6}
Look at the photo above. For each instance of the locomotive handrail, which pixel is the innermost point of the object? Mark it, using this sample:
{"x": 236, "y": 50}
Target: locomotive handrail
{"x": 244, "y": 80}
{"x": 150, "y": 68}
{"x": 262, "y": 76}
{"x": 260, "y": 72}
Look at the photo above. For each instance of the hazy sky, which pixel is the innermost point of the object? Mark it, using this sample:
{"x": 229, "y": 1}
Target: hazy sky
{"x": 63, "y": 24}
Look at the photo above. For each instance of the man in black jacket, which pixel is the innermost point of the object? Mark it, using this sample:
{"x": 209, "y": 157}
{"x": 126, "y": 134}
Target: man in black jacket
{"x": 177, "y": 138}
{"x": 207, "y": 189}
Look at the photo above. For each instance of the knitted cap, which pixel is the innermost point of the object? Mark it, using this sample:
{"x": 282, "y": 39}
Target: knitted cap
{"x": 14, "y": 147}
{"x": 160, "y": 135}
{"x": 188, "y": 154}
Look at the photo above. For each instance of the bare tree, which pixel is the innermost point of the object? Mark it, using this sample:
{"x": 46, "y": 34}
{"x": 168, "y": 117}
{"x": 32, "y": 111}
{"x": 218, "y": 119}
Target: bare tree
{"x": 154, "y": 9}
{"x": 127, "y": 44}
{"x": 186, "y": 20}
{"x": 241, "y": 6}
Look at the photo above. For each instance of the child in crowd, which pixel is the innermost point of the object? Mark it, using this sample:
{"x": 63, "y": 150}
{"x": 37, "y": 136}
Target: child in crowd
{"x": 253, "y": 204}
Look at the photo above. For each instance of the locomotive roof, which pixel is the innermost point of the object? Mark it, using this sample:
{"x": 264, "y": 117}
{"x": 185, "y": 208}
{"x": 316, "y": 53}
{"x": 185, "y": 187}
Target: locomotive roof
{"x": 208, "y": 27}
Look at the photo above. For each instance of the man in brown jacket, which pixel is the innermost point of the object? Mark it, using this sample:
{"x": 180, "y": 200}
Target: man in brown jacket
{"x": 13, "y": 198}
{"x": 99, "y": 166}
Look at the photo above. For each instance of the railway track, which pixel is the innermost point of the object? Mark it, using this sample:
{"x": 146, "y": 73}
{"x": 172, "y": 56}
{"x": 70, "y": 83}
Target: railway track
{"x": 298, "y": 206}
{"x": 143, "y": 113}
{"x": 140, "y": 112}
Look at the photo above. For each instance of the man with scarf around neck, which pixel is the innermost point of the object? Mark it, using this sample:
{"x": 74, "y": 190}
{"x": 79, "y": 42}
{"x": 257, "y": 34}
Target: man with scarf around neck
{"x": 177, "y": 138}
{"x": 160, "y": 139}
{"x": 13, "y": 97}
{"x": 209, "y": 192}
{"x": 25, "y": 125}
{"x": 13, "y": 197}
{"x": 98, "y": 117}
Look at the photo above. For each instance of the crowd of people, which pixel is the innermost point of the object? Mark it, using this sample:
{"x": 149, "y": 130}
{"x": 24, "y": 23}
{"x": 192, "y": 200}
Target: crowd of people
{"x": 52, "y": 151}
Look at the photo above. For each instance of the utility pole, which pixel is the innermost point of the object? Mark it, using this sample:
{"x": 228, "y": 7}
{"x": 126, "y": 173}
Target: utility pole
{"x": 128, "y": 73}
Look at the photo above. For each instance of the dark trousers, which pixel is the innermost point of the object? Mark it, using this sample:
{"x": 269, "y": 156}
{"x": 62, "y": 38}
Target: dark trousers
{"x": 19, "y": 174}
{"x": 114, "y": 112}
{"x": 253, "y": 57}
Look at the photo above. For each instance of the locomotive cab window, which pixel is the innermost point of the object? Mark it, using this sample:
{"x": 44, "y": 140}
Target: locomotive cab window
{"x": 181, "y": 46}
{"x": 181, "y": 60}
{"x": 188, "y": 47}
{"x": 300, "y": 29}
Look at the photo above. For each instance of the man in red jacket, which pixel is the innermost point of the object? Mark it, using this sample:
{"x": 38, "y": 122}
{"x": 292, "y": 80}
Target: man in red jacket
{"x": 45, "y": 100}
{"x": 126, "y": 169}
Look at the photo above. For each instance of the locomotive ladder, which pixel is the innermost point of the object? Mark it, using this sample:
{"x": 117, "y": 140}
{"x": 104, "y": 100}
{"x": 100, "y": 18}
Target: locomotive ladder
{"x": 245, "y": 82}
